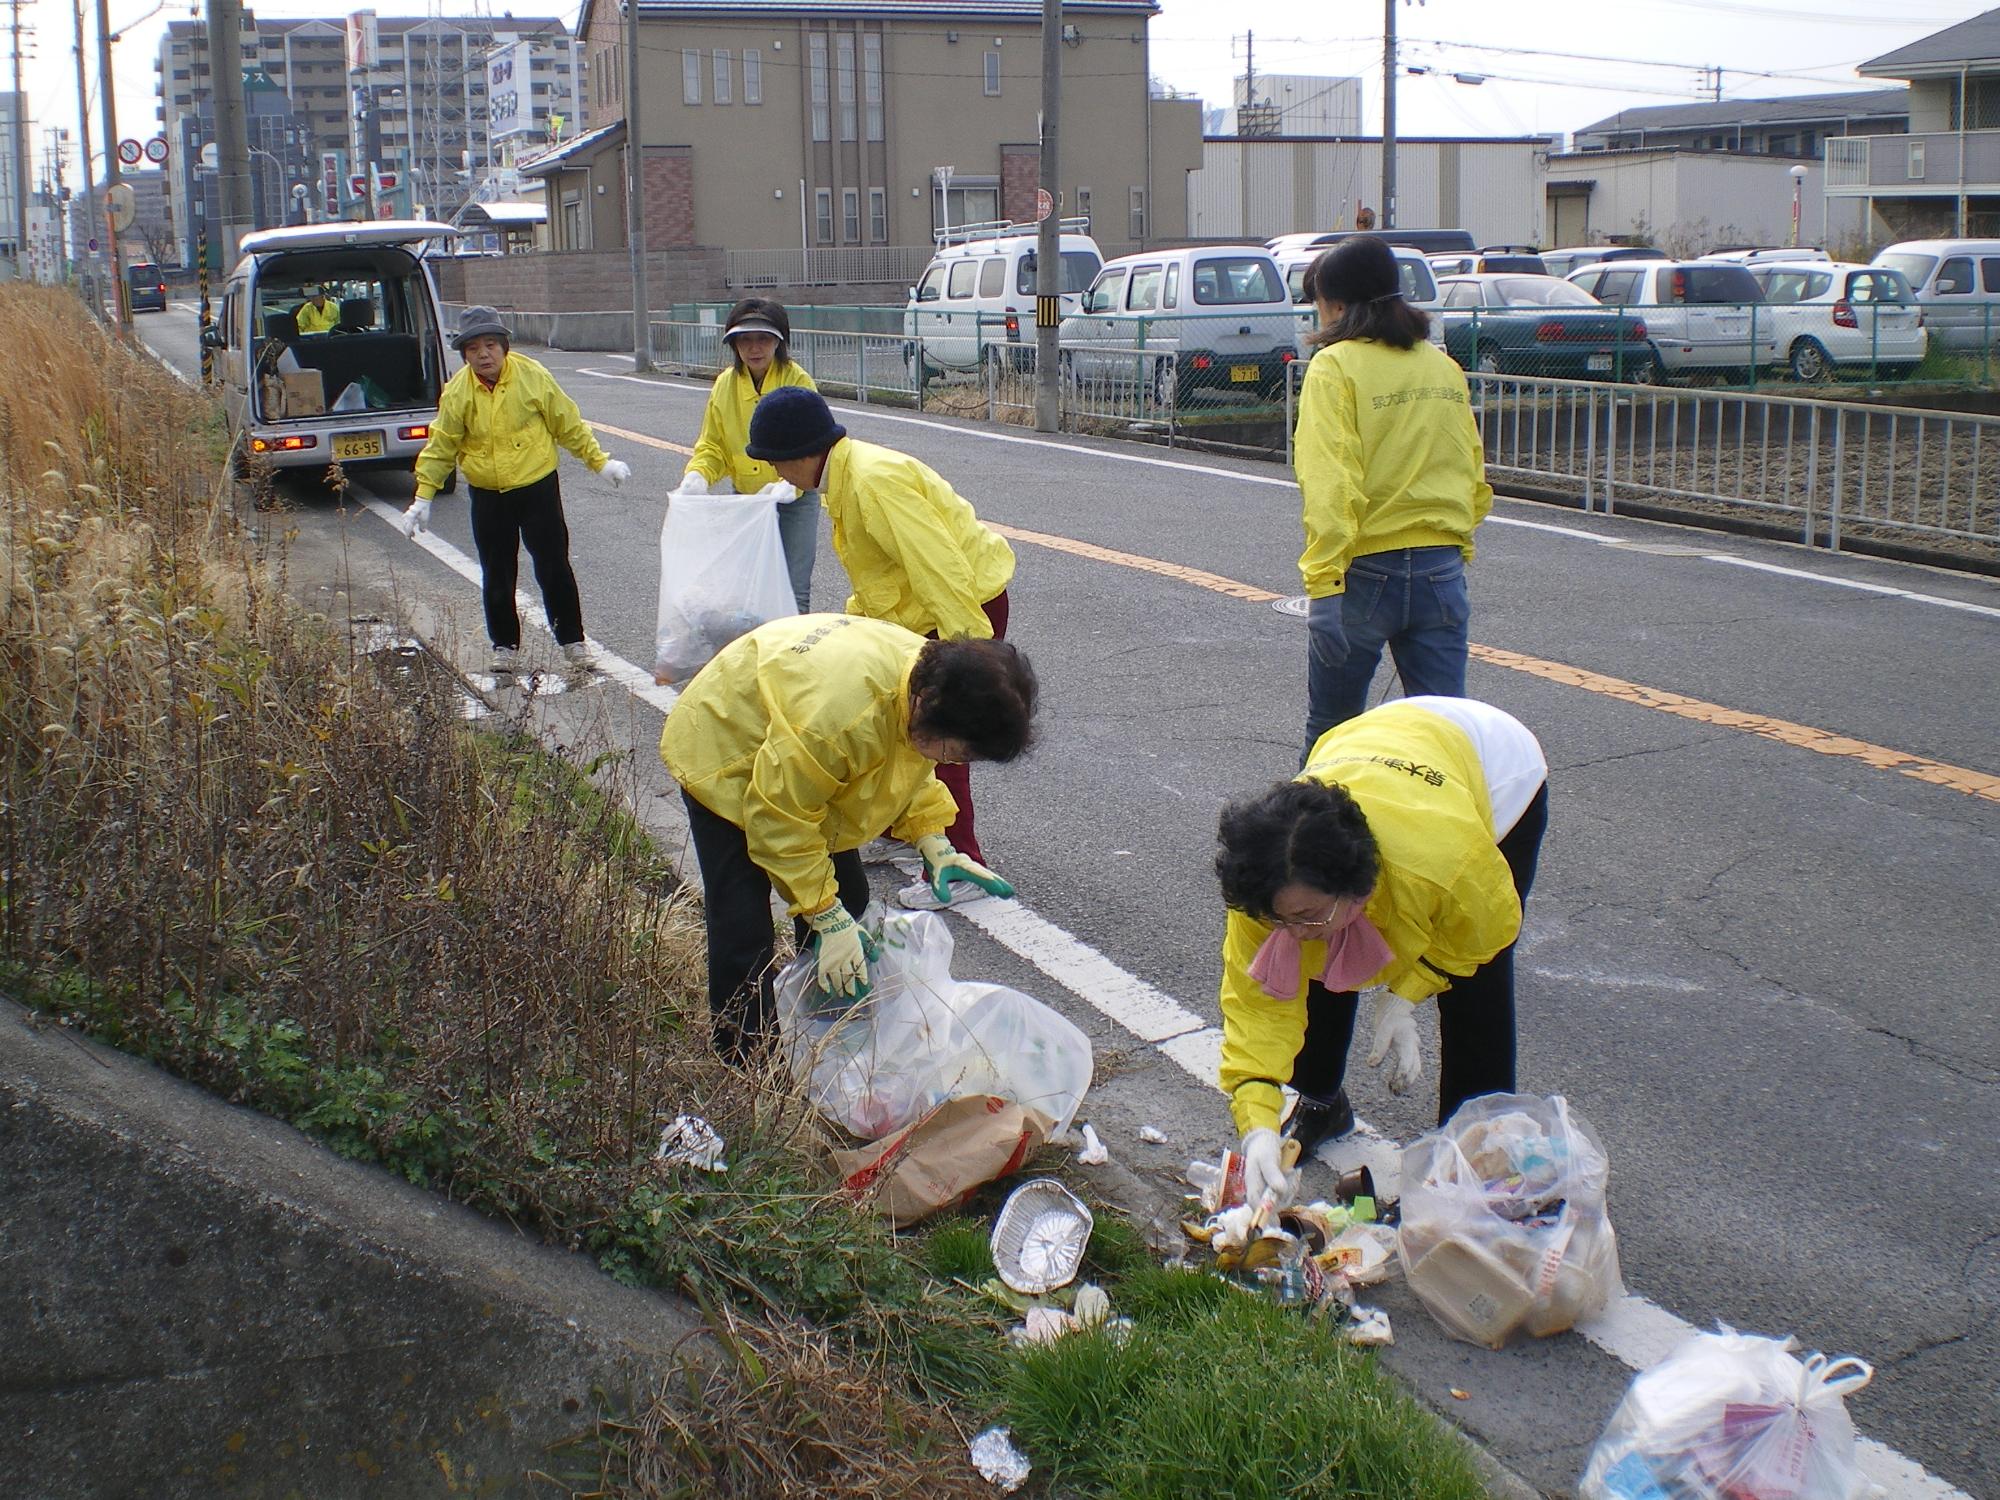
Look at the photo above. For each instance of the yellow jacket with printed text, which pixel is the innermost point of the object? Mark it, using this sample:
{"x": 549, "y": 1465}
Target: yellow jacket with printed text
{"x": 1444, "y": 898}
{"x": 914, "y": 551}
{"x": 503, "y": 436}
{"x": 1387, "y": 456}
{"x": 317, "y": 319}
{"x": 725, "y": 426}
{"x": 798, "y": 733}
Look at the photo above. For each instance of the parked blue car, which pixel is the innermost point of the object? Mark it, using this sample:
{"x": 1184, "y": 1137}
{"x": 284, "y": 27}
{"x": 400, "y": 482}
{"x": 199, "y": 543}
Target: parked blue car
{"x": 1541, "y": 325}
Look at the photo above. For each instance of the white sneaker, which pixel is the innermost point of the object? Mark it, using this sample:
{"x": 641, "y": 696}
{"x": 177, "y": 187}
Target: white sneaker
{"x": 884, "y": 851}
{"x": 505, "y": 659}
{"x": 582, "y": 661}
{"x": 918, "y": 895}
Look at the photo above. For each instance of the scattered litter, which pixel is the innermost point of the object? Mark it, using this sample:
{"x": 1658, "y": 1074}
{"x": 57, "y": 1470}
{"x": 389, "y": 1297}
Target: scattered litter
{"x": 1151, "y": 1136}
{"x": 1364, "y": 1251}
{"x": 1039, "y": 1236}
{"x": 1368, "y": 1328}
{"x": 998, "y": 1460}
{"x": 1093, "y": 1153}
{"x": 1092, "y": 1305}
{"x": 691, "y": 1142}
{"x": 1220, "y": 1183}
{"x": 1458, "y": 1395}
{"x": 1042, "y": 1325}
{"x": 1731, "y": 1414}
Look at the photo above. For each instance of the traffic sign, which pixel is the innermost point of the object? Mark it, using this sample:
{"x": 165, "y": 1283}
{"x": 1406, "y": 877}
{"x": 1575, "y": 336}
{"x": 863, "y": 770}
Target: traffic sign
{"x": 1044, "y": 204}
{"x": 156, "y": 149}
{"x": 129, "y": 152}
{"x": 93, "y": 244}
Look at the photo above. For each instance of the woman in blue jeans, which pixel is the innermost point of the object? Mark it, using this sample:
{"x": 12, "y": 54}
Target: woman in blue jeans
{"x": 1393, "y": 475}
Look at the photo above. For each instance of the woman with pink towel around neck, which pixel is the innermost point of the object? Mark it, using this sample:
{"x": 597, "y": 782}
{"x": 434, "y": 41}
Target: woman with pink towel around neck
{"x": 1399, "y": 857}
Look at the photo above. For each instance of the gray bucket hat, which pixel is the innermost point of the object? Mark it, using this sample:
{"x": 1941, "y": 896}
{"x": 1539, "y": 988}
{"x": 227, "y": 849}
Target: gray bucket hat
{"x": 478, "y": 322}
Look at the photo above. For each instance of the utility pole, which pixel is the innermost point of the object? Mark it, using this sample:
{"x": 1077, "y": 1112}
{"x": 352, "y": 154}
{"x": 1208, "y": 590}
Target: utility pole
{"x": 1249, "y": 71}
{"x": 1048, "y": 232}
{"x": 232, "y": 140}
{"x": 635, "y": 197}
{"x": 121, "y": 296}
{"x": 90, "y": 219}
{"x": 1387, "y": 218}
{"x": 20, "y": 157}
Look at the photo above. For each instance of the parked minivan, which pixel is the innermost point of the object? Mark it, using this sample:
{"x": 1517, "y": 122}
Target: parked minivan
{"x": 1957, "y": 286}
{"x": 366, "y": 390}
{"x": 976, "y": 299}
{"x": 1705, "y": 317}
{"x": 146, "y": 287}
{"x": 1221, "y": 310}
{"x": 1424, "y": 241}
{"x": 1419, "y": 283}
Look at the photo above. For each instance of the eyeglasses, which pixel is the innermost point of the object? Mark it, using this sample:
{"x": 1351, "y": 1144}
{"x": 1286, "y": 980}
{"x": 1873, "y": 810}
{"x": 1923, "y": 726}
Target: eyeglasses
{"x": 1335, "y": 911}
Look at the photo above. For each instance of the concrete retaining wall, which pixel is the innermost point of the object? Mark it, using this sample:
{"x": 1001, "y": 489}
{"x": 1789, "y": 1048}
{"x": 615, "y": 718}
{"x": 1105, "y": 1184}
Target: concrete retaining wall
{"x": 199, "y": 1301}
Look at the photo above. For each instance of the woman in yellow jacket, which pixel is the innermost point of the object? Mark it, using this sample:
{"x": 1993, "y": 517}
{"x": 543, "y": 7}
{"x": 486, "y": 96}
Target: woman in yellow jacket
{"x": 796, "y": 745}
{"x": 500, "y": 419}
{"x": 1393, "y": 475}
{"x": 914, "y": 552}
{"x": 1400, "y": 856}
{"x": 758, "y": 332}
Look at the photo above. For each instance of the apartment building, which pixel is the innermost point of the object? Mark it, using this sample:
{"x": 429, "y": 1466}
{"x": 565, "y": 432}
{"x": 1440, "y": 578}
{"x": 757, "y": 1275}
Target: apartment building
{"x": 1798, "y": 125}
{"x": 791, "y": 126}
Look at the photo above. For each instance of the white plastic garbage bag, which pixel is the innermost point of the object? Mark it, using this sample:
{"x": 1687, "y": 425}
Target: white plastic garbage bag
{"x": 1504, "y": 1226}
{"x": 1732, "y": 1414}
{"x": 722, "y": 574}
{"x": 921, "y": 1037}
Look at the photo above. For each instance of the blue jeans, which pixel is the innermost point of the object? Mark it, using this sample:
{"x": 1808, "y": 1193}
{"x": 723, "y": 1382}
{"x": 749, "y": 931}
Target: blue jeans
{"x": 798, "y": 532}
{"x": 1413, "y": 601}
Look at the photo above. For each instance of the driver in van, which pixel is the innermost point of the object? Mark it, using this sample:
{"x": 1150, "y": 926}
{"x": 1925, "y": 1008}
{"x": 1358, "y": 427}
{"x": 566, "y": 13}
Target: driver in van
{"x": 318, "y": 313}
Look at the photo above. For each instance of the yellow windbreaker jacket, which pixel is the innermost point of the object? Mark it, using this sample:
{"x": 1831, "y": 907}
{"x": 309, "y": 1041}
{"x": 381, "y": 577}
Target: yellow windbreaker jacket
{"x": 1387, "y": 456}
{"x": 505, "y": 437}
{"x": 317, "y": 319}
{"x": 725, "y": 426}
{"x": 1444, "y": 899}
{"x": 913, "y": 549}
{"x": 798, "y": 733}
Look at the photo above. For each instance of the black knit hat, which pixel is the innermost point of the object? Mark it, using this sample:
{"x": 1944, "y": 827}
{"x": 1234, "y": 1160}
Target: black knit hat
{"x": 792, "y": 422}
{"x": 1358, "y": 269}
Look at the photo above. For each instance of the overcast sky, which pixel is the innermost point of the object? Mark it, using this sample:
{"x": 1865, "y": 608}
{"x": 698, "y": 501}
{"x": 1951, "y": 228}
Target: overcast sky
{"x": 1639, "y": 52}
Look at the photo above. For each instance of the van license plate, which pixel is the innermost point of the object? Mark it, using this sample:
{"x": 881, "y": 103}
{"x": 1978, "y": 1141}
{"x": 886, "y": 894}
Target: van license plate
{"x": 1242, "y": 372}
{"x": 348, "y": 445}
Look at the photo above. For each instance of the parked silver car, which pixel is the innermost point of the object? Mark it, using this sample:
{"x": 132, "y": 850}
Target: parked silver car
{"x": 1704, "y": 317}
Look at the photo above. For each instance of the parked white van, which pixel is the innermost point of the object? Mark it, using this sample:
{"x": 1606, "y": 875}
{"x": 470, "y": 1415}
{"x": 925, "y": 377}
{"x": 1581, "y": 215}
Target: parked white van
{"x": 363, "y": 391}
{"x": 1957, "y": 285}
{"x": 1221, "y": 310}
{"x": 1418, "y": 278}
{"x": 977, "y": 296}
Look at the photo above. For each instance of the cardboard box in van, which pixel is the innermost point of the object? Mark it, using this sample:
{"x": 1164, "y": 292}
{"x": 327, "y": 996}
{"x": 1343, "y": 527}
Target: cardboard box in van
{"x": 304, "y": 392}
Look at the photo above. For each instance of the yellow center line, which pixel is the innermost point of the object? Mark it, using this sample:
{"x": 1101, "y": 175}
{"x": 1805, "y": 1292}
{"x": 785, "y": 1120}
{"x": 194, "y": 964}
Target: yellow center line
{"x": 1214, "y": 582}
{"x": 640, "y": 437}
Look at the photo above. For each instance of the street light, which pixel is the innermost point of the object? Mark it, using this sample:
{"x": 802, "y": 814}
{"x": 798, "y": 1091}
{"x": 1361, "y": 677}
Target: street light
{"x": 1798, "y": 188}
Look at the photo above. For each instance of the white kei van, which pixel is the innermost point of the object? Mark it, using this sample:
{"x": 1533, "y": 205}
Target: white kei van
{"x": 1957, "y": 287}
{"x": 1419, "y": 280}
{"x": 976, "y": 300}
{"x": 1221, "y": 310}
{"x": 363, "y": 391}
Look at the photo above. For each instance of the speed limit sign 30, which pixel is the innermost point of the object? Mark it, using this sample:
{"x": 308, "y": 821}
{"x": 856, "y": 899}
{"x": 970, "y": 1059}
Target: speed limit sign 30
{"x": 156, "y": 149}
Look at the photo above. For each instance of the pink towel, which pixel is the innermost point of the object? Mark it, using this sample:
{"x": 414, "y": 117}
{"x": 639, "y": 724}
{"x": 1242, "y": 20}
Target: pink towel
{"x": 1354, "y": 955}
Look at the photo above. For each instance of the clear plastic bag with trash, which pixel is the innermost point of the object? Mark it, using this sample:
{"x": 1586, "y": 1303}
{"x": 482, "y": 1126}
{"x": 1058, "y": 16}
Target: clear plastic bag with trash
{"x": 1733, "y": 1414}
{"x": 722, "y": 574}
{"x": 921, "y": 1037}
{"x": 1504, "y": 1227}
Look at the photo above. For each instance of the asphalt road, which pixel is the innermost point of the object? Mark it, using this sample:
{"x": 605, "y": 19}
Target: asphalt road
{"x": 1766, "y": 974}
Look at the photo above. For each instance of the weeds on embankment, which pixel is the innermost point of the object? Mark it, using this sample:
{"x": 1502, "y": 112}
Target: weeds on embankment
{"x": 289, "y": 870}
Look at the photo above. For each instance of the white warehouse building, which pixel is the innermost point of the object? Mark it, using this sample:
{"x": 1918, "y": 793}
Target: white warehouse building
{"x": 1251, "y": 189}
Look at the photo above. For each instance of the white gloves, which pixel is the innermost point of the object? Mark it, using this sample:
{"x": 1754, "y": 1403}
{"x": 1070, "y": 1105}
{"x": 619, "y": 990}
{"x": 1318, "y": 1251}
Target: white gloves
{"x": 843, "y": 950}
{"x": 417, "y": 518}
{"x": 693, "y": 482}
{"x": 1396, "y": 1039}
{"x": 1264, "y": 1169}
{"x": 616, "y": 470}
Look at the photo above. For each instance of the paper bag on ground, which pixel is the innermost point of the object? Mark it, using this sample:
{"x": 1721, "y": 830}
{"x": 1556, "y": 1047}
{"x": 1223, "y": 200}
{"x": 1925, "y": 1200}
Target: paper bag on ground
{"x": 945, "y": 1157}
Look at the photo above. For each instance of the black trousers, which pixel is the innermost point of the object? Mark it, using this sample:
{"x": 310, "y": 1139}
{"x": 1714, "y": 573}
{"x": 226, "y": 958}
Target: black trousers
{"x": 741, "y": 943}
{"x": 502, "y": 522}
{"x": 1475, "y": 1015}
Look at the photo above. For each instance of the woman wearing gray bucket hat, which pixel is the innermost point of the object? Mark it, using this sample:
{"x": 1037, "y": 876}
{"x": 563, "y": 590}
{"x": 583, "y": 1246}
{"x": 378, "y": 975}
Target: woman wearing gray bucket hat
{"x": 758, "y": 333}
{"x": 1393, "y": 477}
{"x": 500, "y": 419}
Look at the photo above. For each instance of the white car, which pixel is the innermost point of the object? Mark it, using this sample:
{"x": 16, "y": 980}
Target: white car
{"x": 976, "y": 299}
{"x": 1834, "y": 314}
{"x": 1705, "y": 317}
{"x": 1419, "y": 282}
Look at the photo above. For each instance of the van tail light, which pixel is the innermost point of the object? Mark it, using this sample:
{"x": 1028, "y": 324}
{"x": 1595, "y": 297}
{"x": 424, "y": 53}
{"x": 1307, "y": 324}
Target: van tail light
{"x": 1286, "y": 356}
{"x": 414, "y": 434}
{"x": 1677, "y": 288}
{"x": 1013, "y": 324}
{"x": 283, "y": 445}
{"x": 1201, "y": 362}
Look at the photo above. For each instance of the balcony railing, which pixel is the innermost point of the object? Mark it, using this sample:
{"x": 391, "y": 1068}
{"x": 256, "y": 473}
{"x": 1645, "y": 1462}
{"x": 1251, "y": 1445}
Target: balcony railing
{"x": 898, "y": 266}
{"x": 1924, "y": 163}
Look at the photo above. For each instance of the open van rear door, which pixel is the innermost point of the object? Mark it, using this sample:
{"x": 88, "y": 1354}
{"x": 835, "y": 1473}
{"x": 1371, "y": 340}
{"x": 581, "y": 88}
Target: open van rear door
{"x": 411, "y": 234}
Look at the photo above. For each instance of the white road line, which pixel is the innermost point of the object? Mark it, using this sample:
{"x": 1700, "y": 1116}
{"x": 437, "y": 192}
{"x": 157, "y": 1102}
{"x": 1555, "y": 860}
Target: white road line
{"x": 1632, "y": 1330}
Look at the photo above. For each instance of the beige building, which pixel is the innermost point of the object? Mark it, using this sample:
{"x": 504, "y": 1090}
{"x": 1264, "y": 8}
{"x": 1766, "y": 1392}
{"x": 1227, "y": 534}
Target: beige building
{"x": 774, "y": 128}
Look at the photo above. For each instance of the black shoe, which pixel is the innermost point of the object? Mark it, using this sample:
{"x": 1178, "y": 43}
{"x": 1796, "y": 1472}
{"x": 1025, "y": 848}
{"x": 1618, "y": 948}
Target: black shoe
{"x": 1315, "y": 1120}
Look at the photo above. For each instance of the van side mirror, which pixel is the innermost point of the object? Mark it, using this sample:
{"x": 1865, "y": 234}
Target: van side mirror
{"x": 211, "y": 337}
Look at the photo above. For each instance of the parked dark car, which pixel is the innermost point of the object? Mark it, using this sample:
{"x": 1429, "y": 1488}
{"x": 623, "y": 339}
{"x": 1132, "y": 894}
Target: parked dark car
{"x": 1541, "y": 325}
{"x": 1576, "y": 257}
{"x": 147, "y": 285}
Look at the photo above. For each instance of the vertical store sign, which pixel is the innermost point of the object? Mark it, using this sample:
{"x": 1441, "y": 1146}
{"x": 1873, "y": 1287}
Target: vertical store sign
{"x": 329, "y": 182}
{"x": 364, "y": 46}
{"x": 509, "y": 102}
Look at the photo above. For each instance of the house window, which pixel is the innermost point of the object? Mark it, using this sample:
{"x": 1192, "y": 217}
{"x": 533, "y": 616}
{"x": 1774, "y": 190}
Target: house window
{"x": 816, "y": 69}
{"x": 1916, "y": 162}
{"x": 753, "y": 76}
{"x": 690, "y": 75}
{"x": 1136, "y": 228}
{"x": 1083, "y": 207}
{"x": 878, "y": 215}
{"x": 823, "y": 215}
{"x": 992, "y": 72}
{"x": 871, "y": 82}
{"x": 843, "y": 53}
{"x": 723, "y": 62}
{"x": 850, "y": 216}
